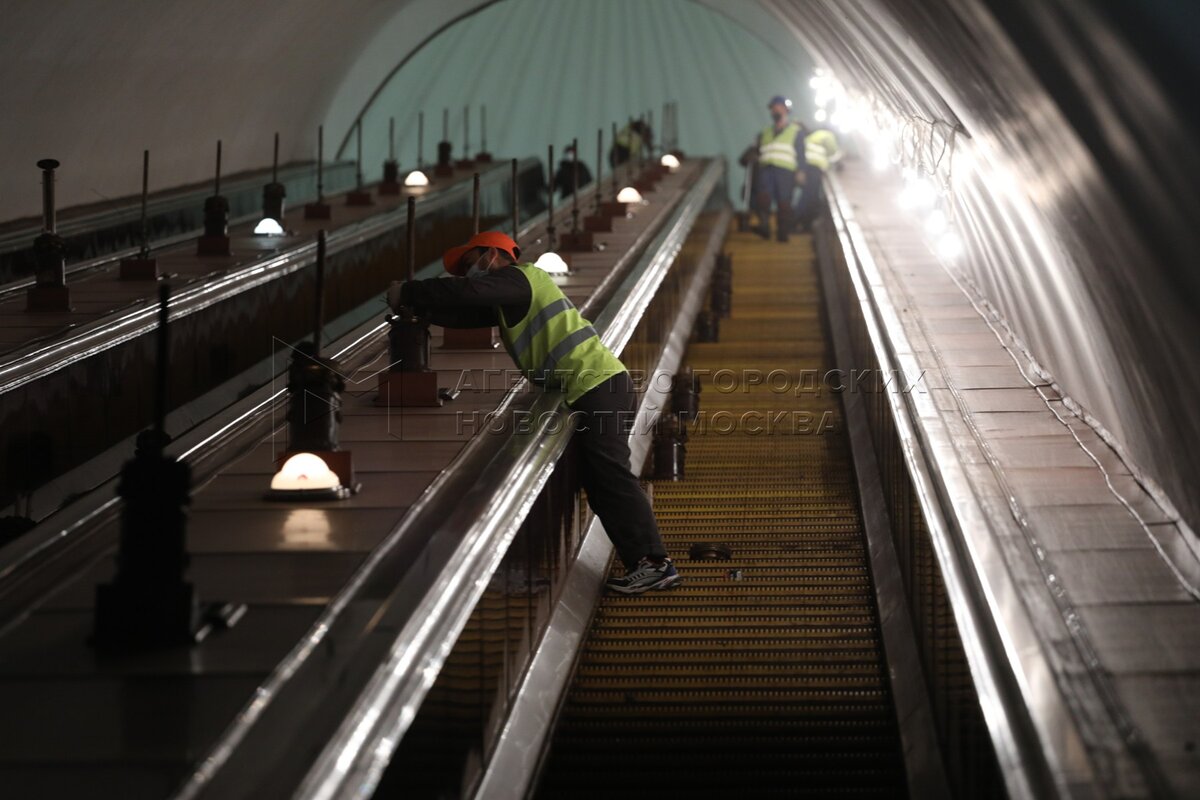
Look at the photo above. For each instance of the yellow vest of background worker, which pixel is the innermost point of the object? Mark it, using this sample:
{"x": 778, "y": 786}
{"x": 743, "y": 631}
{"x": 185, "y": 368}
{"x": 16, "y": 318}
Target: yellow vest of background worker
{"x": 820, "y": 148}
{"x": 778, "y": 149}
{"x": 554, "y": 346}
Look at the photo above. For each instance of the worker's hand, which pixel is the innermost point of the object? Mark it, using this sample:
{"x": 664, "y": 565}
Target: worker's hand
{"x": 749, "y": 156}
{"x": 800, "y": 176}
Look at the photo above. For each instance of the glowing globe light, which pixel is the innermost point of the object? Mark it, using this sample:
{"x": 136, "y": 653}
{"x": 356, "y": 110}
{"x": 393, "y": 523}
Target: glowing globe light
{"x": 629, "y": 195}
{"x": 269, "y": 227}
{"x": 669, "y": 161}
{"x": 305, "y": 472}
{"x": 918, "y": 194}
{"x": 949, "y": 246}
{"x": 820, "y": 115}
{"x": 552, "y": 263}
{"x": 936, "y": 223}
{"x": 416, "y": 178}
{"x": 880, "y": 159}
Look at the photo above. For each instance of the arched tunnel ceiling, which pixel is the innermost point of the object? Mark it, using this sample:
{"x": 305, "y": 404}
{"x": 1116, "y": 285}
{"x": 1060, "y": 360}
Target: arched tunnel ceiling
{"x": 1082, "y": 205}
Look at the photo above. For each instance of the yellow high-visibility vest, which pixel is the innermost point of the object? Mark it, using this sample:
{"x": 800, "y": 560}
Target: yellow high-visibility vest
{"x": 820, "y": 148}
{"x": 778, "y": 148}
{"x": 553, "y": 345}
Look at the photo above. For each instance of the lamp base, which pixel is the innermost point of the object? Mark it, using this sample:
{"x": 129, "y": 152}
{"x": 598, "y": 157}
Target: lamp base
{"x": 359, "y": 197}
{"x": 409, "y": 389}
{"x": 212, "y": 246}
{"x": 582, "y": 241}
{"x": 48, "y": 298}
{"x": 318, "y": 210}
{"x": 139, "y": 269}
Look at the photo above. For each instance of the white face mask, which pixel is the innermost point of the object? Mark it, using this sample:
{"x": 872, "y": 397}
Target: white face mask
{"x": 482, "y": 266}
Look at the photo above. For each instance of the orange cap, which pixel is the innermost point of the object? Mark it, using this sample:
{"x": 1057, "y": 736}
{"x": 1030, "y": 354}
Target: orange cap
{"x": 496, "y": 239}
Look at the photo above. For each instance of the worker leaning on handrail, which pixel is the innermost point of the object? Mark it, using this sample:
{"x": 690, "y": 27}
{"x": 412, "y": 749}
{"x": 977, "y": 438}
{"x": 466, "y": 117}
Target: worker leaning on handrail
{"x": 556, "y": 348}
{"x": 776, "y": 156}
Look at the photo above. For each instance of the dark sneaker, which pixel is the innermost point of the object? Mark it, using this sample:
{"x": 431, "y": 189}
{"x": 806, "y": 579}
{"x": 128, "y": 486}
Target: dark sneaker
{"x": 647, "y": 577}
{"x": 763, "y": 231}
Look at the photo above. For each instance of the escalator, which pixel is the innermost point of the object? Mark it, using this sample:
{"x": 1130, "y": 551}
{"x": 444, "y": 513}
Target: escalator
{"x": 763, "y": 673}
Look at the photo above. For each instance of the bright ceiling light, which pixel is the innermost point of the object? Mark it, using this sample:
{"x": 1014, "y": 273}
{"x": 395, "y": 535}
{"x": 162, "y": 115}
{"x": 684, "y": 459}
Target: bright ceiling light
{"x": 918, "y": 194}
{"x": 880, "y": 158}
{"x": 416, "y": 178}
{"x": 670, "y": 161}
{"x": 949, "y": 246}
{"x": 269, "y": 227}
{"x": 820, "y": 116}
{"x": 629, "y": 195}
{"x": 306, "y": 476}
{"x": 552, "y": 263}
{"x": 936, "y": 223}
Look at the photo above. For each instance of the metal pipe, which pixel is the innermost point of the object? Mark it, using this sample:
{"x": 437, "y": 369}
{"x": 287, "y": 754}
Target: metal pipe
{"x": 466, "y": 133}
{"x": 420, "y": 139}
{"x": 161, "y": 367}
{"x": 47, "y": 166}
{"x": 391, "y": 138}
{"x": 615, "y": 190}
{"x": 320, "y": 163}
{"x": 599, "y": 167}
{"x": 483, "y": 129}
{"x": 550, "y": 200}
{"x": 445, "y": 124}
{"x": 358, "y": 176}
{"x": 275, "y": 161}
{"x": 145, "y": 251}
{"x": 319, "y": 299}
{"x": 650, "y": 129}
{"x": 475, "y": 203}
{"x": 575, "y": 185}
{"x": 217, "y": 189}
{"x": 410, "y": 248}
{"x": 516, "y": 211}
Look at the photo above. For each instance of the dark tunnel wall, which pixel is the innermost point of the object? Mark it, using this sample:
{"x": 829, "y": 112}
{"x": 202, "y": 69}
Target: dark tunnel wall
{"x": 1076, "y": 189}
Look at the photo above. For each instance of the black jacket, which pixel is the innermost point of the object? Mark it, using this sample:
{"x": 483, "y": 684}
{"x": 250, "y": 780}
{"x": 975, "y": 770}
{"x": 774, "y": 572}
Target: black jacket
{"x": 470, "y": 302}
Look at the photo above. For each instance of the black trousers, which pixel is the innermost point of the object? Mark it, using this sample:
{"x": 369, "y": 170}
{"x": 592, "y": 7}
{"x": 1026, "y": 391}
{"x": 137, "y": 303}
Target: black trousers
{"x": 603, "y": 419}
{"x": 779, "y": 185}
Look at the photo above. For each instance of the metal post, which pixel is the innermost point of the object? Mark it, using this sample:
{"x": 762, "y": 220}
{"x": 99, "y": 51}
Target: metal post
{"x": 483, "y": 129}
{"x": 575, "y": 186}
{"x": 391, "y": 138}
{"x": 550, "y": 200}
{"x": 475, "y": 203}
{"x": 650, "y": 127}
{"x": 445, "y": 124}
{"x": 420, "y": 139}
{"x": 358, "y": 176}
{"x": 516, "y": 211}
{"x": 615, "y": 190}
{"x": 410, "y": 247}
{"x": 145, "y": 249}
{"x": 275, "y": 160}
{"x": 319, "y": 299}
{"x": 599, "y": 167}
{"x": 466, "y": 133}
{"x": 217, "y": 189}
{"x": 320, "y": 163}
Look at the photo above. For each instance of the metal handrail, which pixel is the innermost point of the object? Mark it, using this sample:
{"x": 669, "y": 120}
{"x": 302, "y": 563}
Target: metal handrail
{"x": 36, "y": 361}
{"x": 460, "y": 525}
{"x": 986, "y": 631}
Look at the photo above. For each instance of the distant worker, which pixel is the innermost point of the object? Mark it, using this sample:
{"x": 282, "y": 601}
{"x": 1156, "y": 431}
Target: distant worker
{"x": 779, "y": 153}
{"x": 821, "y": 152}
{"x": 631, "y": 141}
{"x": 559, "y": 350}
{"x": 563, "y": 181}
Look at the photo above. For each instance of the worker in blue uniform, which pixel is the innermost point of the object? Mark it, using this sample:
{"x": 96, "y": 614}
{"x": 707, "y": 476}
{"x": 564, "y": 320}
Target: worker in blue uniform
{"x": 556, "y": 348}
